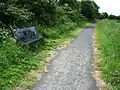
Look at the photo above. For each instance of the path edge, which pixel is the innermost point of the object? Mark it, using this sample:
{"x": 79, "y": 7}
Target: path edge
{"x": 96, "y": 64}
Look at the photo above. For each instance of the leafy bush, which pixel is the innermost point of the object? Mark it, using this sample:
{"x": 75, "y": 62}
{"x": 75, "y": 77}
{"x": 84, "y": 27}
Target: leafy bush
{"x": 18, "y": 16}
{"x": 67, "y": 14}
{"x": 21, "y": 12}
{"x": 45, "y": 11}
{"x": 14, "y": 62}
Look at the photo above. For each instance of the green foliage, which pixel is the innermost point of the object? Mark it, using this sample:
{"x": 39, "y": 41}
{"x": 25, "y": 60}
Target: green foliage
{"x": 109, "y": 44}
{"x": 70, "y": 14}
{"x": 15, "y": 61}
{"x": 45, "y": 11}
{"x": 89, "y": 9}
{"x": 19, "y": 15}
{"x": 103, "y": 15}
{"x": 24, "y": 12}
{"x": 10, "y": 14}
{"x": 21, "y": 12}
{"x": 72, "y": 3}
{"x": 3, "y": 35}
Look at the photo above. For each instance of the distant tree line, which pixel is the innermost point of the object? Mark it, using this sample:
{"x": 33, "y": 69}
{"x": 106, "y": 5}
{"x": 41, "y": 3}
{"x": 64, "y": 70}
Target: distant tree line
{"x": 104, "y": 15}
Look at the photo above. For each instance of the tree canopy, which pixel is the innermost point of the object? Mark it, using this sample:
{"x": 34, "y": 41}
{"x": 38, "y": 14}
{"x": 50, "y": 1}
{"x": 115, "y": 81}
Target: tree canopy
{"x": 20, "y": 12}
{"x": 89, "y": 9}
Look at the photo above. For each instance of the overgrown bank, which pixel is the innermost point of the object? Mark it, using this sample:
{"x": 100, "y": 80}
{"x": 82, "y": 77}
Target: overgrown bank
{"x": 107, "y": 36}
{"x": 16, "y": 60}
{"x": 55, "y": 19}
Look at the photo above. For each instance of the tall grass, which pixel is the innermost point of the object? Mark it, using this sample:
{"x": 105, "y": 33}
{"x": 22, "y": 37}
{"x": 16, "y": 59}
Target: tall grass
{"x": 108, "y": 37}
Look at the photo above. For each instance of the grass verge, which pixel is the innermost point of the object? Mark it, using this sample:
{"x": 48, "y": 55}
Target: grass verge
{"x": 96, "y": 65}
{"x": 107, "y": 36}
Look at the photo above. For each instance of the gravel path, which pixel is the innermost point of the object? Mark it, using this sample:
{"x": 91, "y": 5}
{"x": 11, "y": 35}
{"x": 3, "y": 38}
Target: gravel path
{"x": 71, "y": 68}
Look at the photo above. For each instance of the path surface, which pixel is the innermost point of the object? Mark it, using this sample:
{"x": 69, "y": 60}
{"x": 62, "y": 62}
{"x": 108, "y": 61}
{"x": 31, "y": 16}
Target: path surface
{"x": 71, "y": 68}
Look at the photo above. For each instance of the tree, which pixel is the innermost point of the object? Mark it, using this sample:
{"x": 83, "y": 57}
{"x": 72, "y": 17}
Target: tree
{"x": 113, "y": 17}
{"x": 89, "y": 9}
{"x": 103, "y": 15}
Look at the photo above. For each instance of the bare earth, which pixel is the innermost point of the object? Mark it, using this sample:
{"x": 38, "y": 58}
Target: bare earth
{"x": 71, "y": 68}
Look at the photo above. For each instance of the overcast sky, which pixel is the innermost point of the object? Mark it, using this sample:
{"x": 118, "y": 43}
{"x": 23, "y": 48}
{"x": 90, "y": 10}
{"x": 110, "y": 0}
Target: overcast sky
{"x": 109, "y": 6}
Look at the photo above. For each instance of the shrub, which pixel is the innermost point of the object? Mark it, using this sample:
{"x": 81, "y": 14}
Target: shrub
{"x": 18, "y": 16}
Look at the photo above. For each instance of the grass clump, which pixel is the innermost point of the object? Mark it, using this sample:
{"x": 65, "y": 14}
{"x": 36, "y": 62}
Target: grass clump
{"x": 108, "y": 37}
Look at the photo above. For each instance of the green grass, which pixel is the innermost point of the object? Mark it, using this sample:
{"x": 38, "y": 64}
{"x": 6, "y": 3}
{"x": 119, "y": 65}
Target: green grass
{"x": 16, "y": 61}
{"x": 108, "y": 38}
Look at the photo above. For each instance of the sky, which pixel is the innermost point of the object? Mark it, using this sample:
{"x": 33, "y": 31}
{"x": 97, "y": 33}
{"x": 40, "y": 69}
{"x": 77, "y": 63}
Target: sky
{"x": 109, "y": 6}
